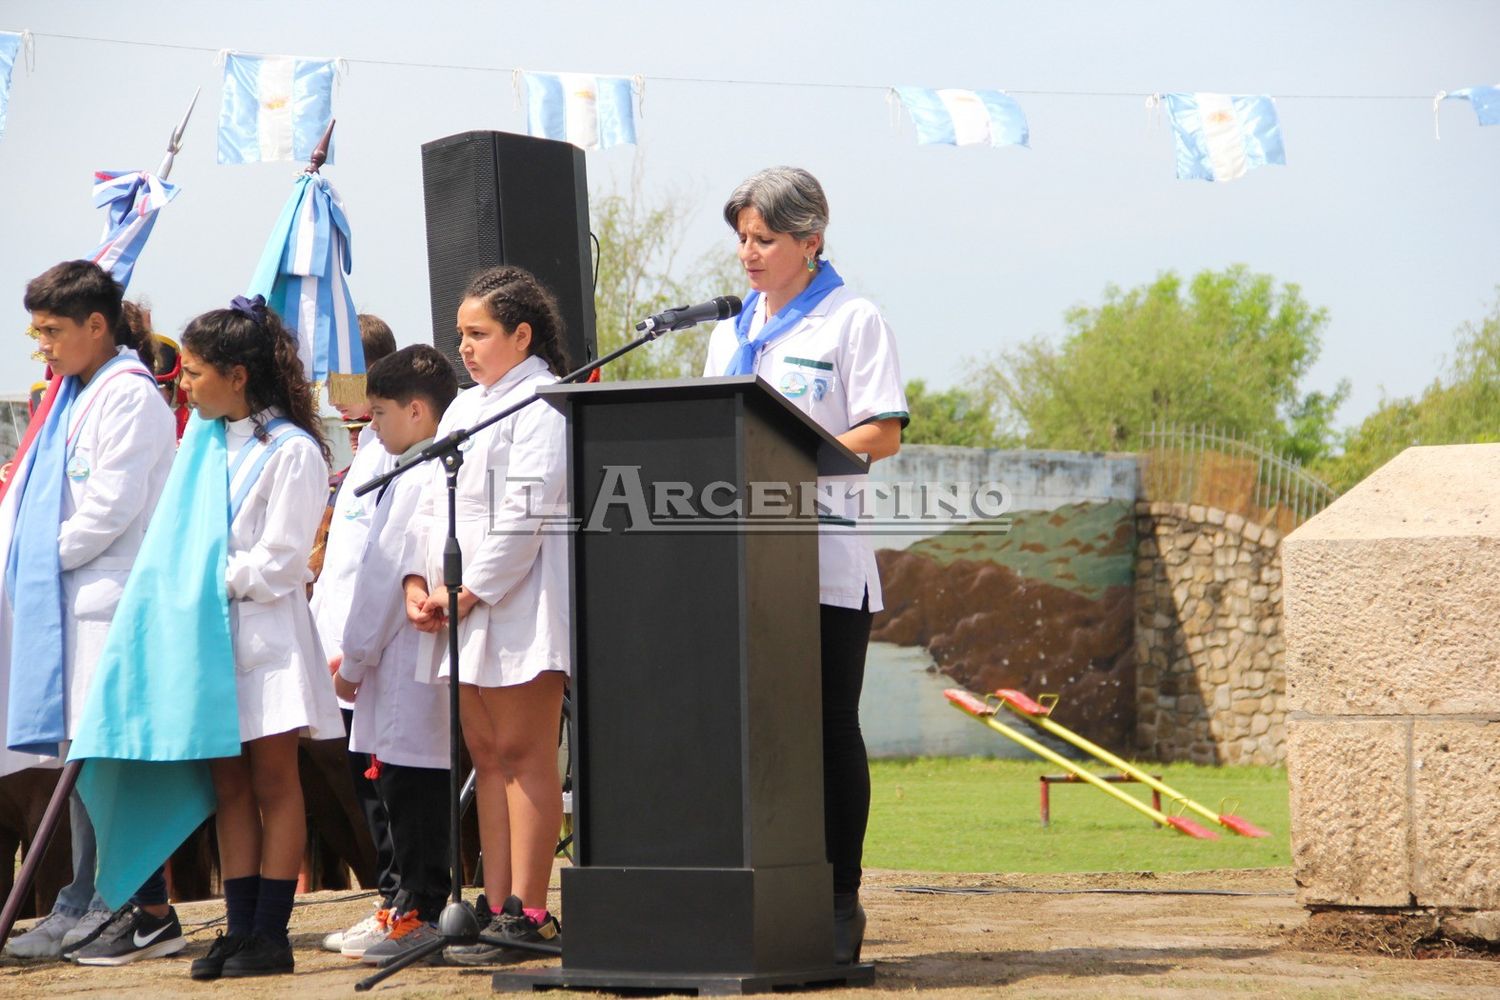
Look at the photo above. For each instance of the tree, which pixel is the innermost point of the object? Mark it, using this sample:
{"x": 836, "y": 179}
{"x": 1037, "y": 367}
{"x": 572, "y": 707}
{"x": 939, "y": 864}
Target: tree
{"x": 957, "y": 416}
{"x": 638, "y": 274}
{"x": 1228, "y": 349}
{"x": 1460, "y": 407}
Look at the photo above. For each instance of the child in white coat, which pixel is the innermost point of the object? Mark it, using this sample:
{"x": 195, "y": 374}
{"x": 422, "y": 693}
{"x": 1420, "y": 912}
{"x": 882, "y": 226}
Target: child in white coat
{"x": 241, "y": 365}
{"x": 513, "y": 607}
{"x": 400, "y": 721}
{"x": 114, "y": 445}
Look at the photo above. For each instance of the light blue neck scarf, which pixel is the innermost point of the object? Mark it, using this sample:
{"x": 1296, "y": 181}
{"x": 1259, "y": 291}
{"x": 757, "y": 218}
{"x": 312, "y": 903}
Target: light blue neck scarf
{"x": 745, "y": 357}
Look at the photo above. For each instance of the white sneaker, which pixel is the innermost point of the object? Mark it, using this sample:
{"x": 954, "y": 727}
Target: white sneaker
{"x": 45, "y": 938}
{"x": 368, "y": 932}
{"x": 85, "y": 930}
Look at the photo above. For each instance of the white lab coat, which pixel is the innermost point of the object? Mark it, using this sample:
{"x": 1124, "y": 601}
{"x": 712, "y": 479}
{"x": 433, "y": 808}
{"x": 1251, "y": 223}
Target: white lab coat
{"x": 397, "y": 717}
{"x": 281, "y": 673}
{"x": 122, "y": 440}
{"x": 515, "y": 560}
{"x": 347, "y": 531}
{"x": 838, "y": 365}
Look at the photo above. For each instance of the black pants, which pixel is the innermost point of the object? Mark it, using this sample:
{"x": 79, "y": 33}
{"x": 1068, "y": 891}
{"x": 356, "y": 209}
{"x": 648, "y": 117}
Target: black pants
{"x": 846, "y": 769}
{"x": 375, "y": 818}
{"x": 416, "y": 800}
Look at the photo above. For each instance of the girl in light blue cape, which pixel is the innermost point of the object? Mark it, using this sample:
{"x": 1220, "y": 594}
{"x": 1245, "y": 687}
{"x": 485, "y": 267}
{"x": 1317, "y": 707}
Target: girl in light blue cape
{"x": 225, "y": 701}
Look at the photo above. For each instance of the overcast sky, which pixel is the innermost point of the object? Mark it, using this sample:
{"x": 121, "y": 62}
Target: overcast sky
{"x": 967, "y": 250}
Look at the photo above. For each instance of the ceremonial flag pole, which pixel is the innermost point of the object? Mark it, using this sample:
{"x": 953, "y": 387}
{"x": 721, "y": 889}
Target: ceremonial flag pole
{"x": 144, "y": 200}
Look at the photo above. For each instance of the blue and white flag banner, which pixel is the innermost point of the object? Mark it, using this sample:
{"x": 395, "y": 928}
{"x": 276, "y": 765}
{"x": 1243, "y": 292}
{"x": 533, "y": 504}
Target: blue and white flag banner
{"x": 133, "y": 199}
{"x": 1486, "y": 102}
{"x": 591, "y": 112}
{"x": 1220, "y": 137}
{"x": 274, "y": 107}
{"x": 302, "y": 275}
{"x": 965, "y": 117}
{"x": 11, "y": 45}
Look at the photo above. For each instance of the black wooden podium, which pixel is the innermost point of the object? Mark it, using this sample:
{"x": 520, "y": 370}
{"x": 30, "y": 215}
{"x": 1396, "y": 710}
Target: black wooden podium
{"x": 698, "y": 785}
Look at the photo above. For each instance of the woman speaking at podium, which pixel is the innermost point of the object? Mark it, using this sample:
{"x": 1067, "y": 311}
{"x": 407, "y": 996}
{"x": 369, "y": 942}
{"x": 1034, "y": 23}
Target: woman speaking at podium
{"x": 829, "y": 352}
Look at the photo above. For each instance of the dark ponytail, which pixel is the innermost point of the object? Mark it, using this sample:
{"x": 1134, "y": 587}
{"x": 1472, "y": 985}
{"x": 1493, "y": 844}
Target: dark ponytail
{"x": 134, "y": 331}
{"x": 513, "y": 296}
{"x": 275, "y": 376}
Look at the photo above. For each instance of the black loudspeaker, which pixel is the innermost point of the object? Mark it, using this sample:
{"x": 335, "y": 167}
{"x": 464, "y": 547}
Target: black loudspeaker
{"x": 496, "y": 198}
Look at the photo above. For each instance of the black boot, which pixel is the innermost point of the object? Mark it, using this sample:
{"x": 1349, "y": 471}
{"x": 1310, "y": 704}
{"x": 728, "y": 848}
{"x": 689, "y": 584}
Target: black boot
{"x": 848, "y": 928}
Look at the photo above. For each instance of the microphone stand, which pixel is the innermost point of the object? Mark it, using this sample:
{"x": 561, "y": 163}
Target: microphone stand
{"x": 458, "y": 924}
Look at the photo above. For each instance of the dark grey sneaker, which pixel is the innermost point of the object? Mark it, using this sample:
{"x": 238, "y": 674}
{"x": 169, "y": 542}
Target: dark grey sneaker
{"x": 211, "y": 966}
{"x": 260, "y": 955}
{"x": 137, "y": 935}
{"x": 511, "y": 923}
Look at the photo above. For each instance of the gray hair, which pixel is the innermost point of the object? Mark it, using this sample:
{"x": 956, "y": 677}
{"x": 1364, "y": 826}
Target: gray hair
{"x": 789, "y": 199}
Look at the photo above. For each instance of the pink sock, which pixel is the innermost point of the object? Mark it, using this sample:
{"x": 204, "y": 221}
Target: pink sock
{"x": 537, "y": 915}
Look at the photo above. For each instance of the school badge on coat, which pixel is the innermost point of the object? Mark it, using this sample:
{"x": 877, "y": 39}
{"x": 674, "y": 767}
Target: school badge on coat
{"x": 793, "y": 385}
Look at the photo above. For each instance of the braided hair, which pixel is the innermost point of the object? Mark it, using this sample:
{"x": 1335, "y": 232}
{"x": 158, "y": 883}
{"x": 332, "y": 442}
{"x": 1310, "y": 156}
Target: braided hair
{"x": 224, "y": 338}
{"x": 512, "y": 296}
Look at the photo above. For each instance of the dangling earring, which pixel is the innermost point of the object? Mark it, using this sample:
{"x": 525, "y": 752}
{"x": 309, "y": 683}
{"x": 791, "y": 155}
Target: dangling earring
{"x": 812, "y": 263}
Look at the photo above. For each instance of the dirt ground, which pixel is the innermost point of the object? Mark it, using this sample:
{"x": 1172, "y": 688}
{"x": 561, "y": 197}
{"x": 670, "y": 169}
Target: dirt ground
{"x": 1169, "y": 935}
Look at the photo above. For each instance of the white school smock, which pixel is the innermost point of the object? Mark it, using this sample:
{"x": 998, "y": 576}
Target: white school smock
{"x": 347, "y": 529}
{"x": 397, "y": 718}
{"x": 839, "y": 366}
{"x": 122, "y": 438}
{"x": 281, "y": 674}
{"x": 519, "y": 572}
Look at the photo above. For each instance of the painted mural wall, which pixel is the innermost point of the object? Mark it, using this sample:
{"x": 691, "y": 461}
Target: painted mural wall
{"x": 1046, "y": 606}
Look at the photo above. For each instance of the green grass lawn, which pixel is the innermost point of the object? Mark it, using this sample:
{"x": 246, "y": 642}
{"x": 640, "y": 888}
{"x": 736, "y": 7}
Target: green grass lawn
{"x": 981, "y": 815}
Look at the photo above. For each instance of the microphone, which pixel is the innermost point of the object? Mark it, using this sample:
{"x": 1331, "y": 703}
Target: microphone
{"x": 683, "y": 317}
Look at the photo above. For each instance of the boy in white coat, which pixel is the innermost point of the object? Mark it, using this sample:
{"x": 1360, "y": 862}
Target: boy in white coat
{"x": 400, "y": 721}
{"x": 114, "y": 441}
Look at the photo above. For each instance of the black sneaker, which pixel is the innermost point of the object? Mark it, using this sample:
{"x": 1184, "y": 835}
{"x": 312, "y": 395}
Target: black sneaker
{"x": 211, "y": 966}
{"x": 260, "y": 955}
{"x": 131, "y": 934}
{"x": 511, "y": 923}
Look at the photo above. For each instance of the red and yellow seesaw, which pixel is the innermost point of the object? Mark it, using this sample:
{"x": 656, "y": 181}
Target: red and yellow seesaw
{"x": 1037, "y": 714}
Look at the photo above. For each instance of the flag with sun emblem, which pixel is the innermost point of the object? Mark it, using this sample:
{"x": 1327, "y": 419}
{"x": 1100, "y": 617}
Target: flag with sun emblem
{"x": 591, "y": 112}
{"x": 274, "y": 108}
{"x": 1221, "y": 136}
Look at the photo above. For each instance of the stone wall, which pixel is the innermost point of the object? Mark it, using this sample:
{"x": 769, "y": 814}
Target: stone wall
{"x": 1393, "y": 670}
{"x": 1210, "y": 681}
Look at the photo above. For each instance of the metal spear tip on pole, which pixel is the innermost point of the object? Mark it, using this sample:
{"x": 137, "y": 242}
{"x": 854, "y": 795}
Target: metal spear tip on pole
{"x": 320, "y": 154}
{"x": 174, "y": 144}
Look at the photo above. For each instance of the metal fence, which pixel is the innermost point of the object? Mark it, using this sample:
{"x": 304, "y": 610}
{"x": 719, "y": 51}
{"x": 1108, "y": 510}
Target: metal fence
{"x": 1237, "y": 474}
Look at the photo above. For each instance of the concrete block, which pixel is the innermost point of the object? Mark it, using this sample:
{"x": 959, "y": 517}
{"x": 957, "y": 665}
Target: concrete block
{"x": 1392, "y": 626}
{"x": 1456, "y": 813}
{"x": 1348, "y": 795}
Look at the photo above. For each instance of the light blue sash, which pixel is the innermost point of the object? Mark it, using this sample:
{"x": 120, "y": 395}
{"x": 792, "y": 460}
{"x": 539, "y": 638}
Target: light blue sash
{"x": 163, "y": 699}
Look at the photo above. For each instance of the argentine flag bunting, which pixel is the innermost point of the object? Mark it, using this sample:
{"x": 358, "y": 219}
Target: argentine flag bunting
{"x": 10, "y": 46}
{"x": 274, "y": 108}
{"x": 591, "y": 112}
{"x": 1220, "y": 136}
{"x": 133, "y": 199}
{"x": 965, "y": 117}
{"x": 1486, "y": 101}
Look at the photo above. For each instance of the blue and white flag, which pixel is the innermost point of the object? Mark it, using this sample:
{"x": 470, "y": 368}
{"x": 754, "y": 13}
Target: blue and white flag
{"x": 10, "y": 46}
{"x": 302, "y": 275}
{"x": 965, "y": 117}
{"x": 1486, "y": 102}
{"x": 133, "y": 199}
{"x": 1221, "y": 136}
{"x": 591, "y": 112}
{"x": 274, "y": 108}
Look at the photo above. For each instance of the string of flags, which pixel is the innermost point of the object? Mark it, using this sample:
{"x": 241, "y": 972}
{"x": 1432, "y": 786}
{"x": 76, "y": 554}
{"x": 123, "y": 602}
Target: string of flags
{"x": 276, "y": 107}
